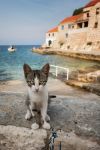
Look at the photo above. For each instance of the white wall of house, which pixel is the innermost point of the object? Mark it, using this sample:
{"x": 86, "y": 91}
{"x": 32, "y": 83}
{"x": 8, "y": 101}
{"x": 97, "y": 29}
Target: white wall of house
{"x": 51, "y": 36}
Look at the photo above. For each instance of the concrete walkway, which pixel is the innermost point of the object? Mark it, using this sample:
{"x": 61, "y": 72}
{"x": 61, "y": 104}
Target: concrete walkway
{"x": 75, "y": 112}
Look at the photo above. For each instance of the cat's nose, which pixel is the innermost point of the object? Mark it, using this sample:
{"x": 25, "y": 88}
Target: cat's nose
{"x": 36, "y": 90}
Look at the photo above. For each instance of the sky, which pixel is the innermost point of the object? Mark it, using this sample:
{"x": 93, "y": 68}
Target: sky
{"x": 25, "y": 22}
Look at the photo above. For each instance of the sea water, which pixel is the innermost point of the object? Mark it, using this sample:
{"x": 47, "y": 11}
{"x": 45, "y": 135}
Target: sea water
{"x": 11, "y": 64}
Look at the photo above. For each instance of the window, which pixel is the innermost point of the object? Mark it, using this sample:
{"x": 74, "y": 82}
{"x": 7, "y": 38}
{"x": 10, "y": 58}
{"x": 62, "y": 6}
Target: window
{"x": 89, "y": 43}
{"x": 97, "y": 11}
{"x": 49, "y": 34}
{"x": 68, "y": 47}
{"x": 88, "y": 15}
{"x": 66, "y": 35}
{"x": 85, "y": 24}
{"x": 52, "y": 34}
{"x": 96, "y": 25}
{"x": 79, "y": 25}
{"x": 61, "y": 44}
{"x": 62, "y": 27}
{"x": 69, "y": 26}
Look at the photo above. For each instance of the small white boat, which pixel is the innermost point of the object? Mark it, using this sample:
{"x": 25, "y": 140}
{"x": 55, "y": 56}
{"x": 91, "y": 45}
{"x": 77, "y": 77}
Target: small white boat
{"x": 11, "y": 49}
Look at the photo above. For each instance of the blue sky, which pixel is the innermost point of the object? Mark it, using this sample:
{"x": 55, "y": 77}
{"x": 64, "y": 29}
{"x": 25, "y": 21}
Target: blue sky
{"x": 26, "y": 21}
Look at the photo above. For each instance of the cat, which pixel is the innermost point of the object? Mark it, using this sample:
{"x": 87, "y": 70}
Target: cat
{"x": 37, "y": 98}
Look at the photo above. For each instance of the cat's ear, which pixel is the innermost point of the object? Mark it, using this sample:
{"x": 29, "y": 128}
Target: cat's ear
{"x": 46, "y": 69}
{"x": 27, "y": 69}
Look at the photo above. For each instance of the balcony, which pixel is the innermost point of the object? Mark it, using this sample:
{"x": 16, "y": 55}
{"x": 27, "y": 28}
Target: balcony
{"x": 77, "y": 30}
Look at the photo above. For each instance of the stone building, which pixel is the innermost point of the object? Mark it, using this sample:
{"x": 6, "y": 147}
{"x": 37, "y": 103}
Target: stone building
{"x": 79, "y": 32}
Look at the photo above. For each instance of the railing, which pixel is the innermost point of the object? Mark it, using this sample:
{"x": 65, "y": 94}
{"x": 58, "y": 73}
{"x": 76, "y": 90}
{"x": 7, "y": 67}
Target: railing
{"x": 58, "y": 67}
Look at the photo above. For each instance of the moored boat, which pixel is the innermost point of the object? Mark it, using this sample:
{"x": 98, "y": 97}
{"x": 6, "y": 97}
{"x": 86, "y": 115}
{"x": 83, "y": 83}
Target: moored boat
{"x": 11, "y": 49}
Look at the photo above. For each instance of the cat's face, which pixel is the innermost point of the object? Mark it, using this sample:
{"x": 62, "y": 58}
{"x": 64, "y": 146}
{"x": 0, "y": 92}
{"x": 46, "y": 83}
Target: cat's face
{"x": 36, "y": 79}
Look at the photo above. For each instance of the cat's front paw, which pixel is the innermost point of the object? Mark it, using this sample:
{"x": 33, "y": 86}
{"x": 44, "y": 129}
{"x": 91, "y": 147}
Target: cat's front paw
{"x": 46, "y": 125}
{"x": 34, "y": 126}
{"x": 28, "y": 116}
{"x": 47, "y": 118}
{"x": 32, "y": 114}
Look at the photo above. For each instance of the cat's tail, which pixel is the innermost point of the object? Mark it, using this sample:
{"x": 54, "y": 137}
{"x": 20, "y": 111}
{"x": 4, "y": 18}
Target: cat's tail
{"x": 52, "y": 96}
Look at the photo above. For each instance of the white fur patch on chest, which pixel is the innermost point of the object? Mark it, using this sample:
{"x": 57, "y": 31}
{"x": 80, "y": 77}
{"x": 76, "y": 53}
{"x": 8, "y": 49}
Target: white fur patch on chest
{"x": 40, "y": 96}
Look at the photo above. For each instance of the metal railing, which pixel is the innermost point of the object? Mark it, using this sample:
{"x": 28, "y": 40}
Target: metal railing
{"x": 58, "y": 67}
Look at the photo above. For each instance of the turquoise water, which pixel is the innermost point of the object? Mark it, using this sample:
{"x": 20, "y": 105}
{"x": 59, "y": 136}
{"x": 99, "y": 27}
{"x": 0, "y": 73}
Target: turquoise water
{"x": 11, "y": 64}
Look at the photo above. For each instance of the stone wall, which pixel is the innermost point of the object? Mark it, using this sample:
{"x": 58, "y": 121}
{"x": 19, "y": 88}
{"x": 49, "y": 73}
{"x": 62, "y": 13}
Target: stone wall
{"x": 93, "y": 35}
{"x": 75, "y": 40}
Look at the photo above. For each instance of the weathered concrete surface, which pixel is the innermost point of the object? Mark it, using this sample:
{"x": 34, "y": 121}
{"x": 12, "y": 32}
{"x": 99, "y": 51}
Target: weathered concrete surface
{"x": 79, "y": 114}
{"x": 71, "y": 141}
{"x": 76, "y": 111}
{"x": 16, "y": 138}
{"x": 12, "y": 110}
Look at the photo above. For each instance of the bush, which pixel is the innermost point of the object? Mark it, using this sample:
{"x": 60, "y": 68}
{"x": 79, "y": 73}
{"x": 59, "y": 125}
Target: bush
{"x": 78, "y": 11}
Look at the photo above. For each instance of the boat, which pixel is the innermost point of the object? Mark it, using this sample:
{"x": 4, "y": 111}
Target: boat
{"x": 12, "y": 49}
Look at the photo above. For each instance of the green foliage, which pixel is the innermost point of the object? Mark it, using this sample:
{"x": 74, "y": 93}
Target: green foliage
{"x": 77, "y": 11}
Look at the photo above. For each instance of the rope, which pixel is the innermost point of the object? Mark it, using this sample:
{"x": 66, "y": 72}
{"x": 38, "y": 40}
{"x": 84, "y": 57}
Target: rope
{"x": 52, "y": 139}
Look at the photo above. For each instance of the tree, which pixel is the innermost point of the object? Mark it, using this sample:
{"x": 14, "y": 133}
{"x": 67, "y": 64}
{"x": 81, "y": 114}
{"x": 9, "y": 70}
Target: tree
{"x": 77, "y": 11}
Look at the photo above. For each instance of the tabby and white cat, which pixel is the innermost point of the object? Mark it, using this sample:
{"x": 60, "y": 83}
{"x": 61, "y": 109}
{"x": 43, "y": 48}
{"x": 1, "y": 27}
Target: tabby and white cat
{"x": 37, "y": 99}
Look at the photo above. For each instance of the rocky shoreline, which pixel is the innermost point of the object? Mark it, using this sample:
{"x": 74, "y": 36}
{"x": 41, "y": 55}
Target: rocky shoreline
{"x": 88, "y": 78}
{"x": 90, "y": 55}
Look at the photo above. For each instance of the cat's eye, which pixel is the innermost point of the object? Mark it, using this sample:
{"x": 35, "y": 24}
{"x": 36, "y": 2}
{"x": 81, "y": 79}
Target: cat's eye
{"x": 29, "y": 83}
{"x": 42, "y": 82}
{"x": 33, "y": 83}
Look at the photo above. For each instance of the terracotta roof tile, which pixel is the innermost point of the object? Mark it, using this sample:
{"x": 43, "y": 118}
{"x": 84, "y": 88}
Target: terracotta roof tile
{"x": 53, "y": 30}
{"x": 71, "y": 19}
{"x": 92, "y": 3}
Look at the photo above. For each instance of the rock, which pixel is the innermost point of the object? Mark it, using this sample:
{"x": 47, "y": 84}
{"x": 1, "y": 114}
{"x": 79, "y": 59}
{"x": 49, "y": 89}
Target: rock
{"x": 91, "y": 87}
{"x": 87, "y": 78}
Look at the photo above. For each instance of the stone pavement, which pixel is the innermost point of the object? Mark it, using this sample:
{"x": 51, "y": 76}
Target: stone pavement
{"x": 75, "y": 112}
